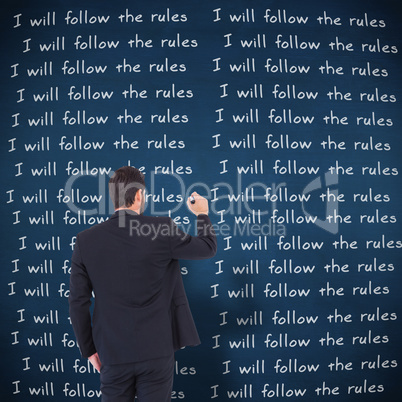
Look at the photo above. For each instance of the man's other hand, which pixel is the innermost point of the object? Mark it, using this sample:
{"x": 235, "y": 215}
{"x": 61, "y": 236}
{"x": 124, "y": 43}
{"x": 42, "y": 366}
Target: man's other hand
{"x": 95, "y": 361}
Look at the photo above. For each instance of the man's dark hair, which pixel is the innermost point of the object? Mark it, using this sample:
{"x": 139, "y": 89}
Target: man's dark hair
{"x": 124, "y": 184}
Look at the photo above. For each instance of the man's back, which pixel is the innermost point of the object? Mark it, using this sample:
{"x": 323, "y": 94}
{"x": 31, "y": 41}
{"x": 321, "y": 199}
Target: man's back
{"x": 130, "y": 262}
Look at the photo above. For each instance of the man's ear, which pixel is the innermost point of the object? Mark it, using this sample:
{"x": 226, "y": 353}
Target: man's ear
{"x": 139, "y": 195}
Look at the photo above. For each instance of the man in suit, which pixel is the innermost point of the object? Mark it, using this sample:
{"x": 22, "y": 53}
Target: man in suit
{"x": 141, "y": 314}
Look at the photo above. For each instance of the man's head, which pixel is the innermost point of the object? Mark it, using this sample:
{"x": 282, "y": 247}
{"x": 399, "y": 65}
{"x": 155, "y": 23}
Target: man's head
{"x": 126, "y": 188}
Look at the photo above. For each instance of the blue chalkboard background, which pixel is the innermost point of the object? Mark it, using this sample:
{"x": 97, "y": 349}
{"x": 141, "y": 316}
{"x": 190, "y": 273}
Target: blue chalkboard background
{"x": 270, "y": 328}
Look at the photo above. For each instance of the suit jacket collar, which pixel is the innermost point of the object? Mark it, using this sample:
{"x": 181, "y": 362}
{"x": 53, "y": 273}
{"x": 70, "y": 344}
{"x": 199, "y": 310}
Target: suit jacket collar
{"x": 123, "y": 212}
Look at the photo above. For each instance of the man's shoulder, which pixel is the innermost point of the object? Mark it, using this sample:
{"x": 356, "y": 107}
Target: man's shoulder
{"x": 147, "y": 219}
{"x": 103, "y": 221}
{"x": 89, "y": 231}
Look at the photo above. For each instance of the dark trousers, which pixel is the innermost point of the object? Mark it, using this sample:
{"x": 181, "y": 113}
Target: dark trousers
{"x": 150, "y": 381}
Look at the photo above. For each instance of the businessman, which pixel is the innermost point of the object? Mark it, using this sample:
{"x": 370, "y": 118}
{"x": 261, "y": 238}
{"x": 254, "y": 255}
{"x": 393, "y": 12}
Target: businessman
{"x": 141, "y": 313}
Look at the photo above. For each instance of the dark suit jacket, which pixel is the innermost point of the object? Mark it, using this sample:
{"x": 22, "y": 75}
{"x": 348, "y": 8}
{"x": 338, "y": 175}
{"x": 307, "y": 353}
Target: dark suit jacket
{"x": 130, "y": 262}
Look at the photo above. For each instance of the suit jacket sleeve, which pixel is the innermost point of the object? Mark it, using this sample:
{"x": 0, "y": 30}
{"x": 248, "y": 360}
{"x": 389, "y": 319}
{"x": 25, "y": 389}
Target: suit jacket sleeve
{"x": 80, "y": 301}
{"x": 185, "y": 246}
